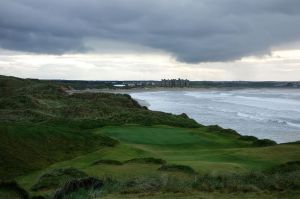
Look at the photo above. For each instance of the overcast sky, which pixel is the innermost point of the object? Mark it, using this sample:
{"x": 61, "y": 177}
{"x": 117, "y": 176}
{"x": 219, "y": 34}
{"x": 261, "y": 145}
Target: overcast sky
{"x": 142, "y": 39}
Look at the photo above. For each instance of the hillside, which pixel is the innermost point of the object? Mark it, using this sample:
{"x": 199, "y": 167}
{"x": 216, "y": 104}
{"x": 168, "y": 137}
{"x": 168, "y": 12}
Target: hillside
{"x": 37, "y": 117}
{"x": 49, "y": 137}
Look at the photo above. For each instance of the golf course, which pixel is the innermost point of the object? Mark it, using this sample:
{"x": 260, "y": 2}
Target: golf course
{"x": 103, "y": 145}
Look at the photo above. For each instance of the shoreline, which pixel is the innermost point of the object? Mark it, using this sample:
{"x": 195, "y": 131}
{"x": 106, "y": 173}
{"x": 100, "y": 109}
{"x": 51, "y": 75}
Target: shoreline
{"x": 143, "y": 102}
{"x": 162, "y": 89}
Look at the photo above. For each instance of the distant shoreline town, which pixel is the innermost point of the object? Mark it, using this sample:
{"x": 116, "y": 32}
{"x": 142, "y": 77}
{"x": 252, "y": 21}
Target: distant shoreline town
{"x": 163, "y": 83}
{"x": 177, "y": 83}
{"x": 173, "y": 83}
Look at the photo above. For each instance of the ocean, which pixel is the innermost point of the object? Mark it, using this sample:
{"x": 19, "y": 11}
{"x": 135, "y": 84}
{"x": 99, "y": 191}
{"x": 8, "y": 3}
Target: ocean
{"x": 264, "y": 113}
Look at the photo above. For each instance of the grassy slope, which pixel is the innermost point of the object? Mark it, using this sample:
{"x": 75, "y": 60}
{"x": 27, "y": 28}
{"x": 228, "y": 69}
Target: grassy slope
{"x": 42, "y": 124}
{"x": 25, "y": 146}
{"x": 43, "y": 128}
{"x": 206, "y": 152}
{"x": 28, "y": 100}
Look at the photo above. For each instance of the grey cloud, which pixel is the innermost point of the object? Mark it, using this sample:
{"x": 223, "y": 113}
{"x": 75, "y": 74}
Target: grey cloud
{"x": 191, "y": 30}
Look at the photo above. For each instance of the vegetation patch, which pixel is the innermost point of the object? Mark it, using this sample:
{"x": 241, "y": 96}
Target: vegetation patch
{"x": 264, "y": 143}
{"x": 149, "y": 160}
{"x": 286, "y": 167}
{"x": 248, "y": 138}
{"x": 249, "y": 182}
{"x": 28, "y": 146}
{"x": 177, "y": 168}
{"x": 252, "y": 182}
{"x": 75, "y": 185}
{"x": 109, "y": 162}
{"x": 218, "y": 129}
{"x": 56, "y": 178}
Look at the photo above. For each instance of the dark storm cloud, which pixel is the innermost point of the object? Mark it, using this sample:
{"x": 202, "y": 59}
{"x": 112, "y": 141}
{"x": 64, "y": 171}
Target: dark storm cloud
{"x": 192, "y": 30}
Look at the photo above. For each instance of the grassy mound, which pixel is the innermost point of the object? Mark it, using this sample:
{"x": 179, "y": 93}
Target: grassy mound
{"x": 149, "y": 160}
{"x": 34, "y": 100}
{"x": 177, "y": 168}
{"x": 57, "y": 177}
{"x": 109, "y": 162}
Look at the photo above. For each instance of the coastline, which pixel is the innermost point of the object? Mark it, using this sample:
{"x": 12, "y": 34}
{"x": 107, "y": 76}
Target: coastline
{"x": 161, "y": 89}
{"x": 220, "y": 114}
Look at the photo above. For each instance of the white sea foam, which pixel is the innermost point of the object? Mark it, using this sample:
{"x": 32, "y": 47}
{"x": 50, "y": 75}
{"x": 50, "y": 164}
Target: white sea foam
{"x": 265, "y": 113}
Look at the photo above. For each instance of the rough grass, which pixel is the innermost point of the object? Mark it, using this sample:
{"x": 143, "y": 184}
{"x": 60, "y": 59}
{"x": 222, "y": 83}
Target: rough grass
{"x": 56, "y": 178}
{"x": 76, "y": 185}
{"x": 177, "y": 168}
{"x": 203, "y": 195}
{"x": 26, "y": 146}
{"x": 231, "y": 184}
{"x": 34, "y": 100}
{"x": 286, "y": 167}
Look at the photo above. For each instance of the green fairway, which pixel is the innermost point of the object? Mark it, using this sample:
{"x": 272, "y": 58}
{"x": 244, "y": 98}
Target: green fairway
{"x": 204, "y": 151}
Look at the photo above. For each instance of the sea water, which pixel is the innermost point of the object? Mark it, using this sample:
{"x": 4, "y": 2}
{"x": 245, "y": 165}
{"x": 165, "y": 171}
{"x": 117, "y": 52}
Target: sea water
{"x": 264, "y": 113}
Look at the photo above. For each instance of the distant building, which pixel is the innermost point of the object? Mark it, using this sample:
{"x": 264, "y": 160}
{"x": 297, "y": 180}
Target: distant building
{"x": 131, "y": 84}
{"x": 119, "y": 85}
{"x": 175, "y": 83}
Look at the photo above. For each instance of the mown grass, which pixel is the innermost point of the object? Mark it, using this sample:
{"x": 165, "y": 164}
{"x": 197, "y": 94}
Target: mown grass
{"x": 203, "y": 151}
